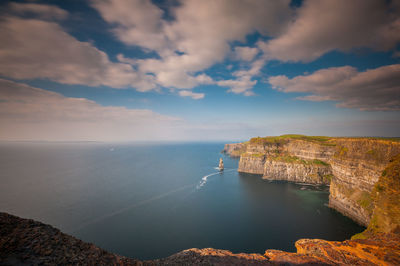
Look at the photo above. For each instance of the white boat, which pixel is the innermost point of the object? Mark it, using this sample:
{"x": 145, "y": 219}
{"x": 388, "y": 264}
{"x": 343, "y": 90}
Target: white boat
{"x": 221, "y": 164}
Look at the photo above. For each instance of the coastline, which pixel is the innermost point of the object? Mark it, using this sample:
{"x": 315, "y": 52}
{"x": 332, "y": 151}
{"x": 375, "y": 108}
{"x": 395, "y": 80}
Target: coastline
{"x": 28, "y": 242}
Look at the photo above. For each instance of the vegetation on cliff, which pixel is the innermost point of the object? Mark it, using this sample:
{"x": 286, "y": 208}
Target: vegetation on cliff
{"x": 386, "y": 202}
{"x": 285, "y": 138}
{"x": 294, "y": 159}
{"x": 323, "y": 140}
{"x": 360, "y": 186}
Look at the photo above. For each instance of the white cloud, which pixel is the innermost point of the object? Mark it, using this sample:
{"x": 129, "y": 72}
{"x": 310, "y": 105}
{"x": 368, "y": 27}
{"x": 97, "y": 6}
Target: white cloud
{"x": 193, "y": 95}
{"x": 40, "y": 10}
{"x": 32, "y": 48}
{"x": 30, "y": 113}
{"x": 240, "y": 85}
{"x": 245, "y": 53}
{"x": 198, "y": 35}
{"x": 254, "y": 69}
{"x": 374, "y": 89}
{"x": 200, "y": 31}
{"x": 322, "y": 26}
{"x": 244, "y": 79}
{"x": 139, "y": 22}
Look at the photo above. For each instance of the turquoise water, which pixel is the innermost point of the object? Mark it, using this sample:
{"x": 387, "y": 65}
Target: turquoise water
{"x": 152, "y": 200}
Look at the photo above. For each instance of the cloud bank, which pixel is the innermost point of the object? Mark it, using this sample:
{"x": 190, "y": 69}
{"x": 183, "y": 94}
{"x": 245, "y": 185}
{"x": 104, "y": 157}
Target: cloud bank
{"x": 33, "y": 48}
{"x": 373, "y": 90}
{"x": 189, "y": 38}
{"x": 30, "y": 113}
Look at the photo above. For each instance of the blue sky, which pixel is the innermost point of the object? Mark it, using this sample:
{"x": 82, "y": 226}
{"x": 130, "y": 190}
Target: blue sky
{"x": 118, "y": 70}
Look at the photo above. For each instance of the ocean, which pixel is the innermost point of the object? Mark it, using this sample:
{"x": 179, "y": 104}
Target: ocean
{"x": 149, "y": 201}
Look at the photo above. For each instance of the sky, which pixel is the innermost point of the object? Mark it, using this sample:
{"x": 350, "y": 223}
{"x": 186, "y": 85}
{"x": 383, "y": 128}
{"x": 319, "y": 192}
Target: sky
{"x": 190, "y": 70}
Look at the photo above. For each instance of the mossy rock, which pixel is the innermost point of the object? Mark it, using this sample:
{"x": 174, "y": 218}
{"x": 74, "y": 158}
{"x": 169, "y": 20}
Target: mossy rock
{"x": 386, "y": 201}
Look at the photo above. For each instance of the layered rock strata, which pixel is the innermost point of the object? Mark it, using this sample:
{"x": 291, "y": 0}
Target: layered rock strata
{"x": 297, "y": 172}
{"x": 351, "y": 166}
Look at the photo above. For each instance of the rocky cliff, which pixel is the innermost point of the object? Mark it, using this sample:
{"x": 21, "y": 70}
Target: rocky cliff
{"x": 364, "y": 178}
{"x": 235, "y": 149}
{"x": 27, "y": 242}
{"x": 351, "y": 166}
{"x": 297, "y": 171}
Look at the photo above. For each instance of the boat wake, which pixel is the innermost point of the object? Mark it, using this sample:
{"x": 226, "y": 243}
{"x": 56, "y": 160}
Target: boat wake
{"x": 147, "y": 201}
{"x": 205, "y": 178}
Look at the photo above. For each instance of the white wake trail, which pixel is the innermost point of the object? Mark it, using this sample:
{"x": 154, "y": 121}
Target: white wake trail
{"x": 147, "y": 201}
{"x": 205, "y": 178}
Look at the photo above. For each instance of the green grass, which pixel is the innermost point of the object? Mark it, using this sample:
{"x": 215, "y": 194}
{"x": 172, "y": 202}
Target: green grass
{"x": 285, "y": 138}
{"x": 361, "y": 235}
{"x": 286, "y": 158}
{"x": 315, "y": 161}
{"x": 295, "y": 159}
{"x": 395, "y": 139}
{"x": 323, "y": 140}
{"x": 365, "y": 201}
{"x": 342, "y": 152}
{"x": 256, "y": 155}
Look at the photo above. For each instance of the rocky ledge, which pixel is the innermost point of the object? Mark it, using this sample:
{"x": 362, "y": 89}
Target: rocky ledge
{"x": 352, "y": 167}
{"x": 27, "y": 242}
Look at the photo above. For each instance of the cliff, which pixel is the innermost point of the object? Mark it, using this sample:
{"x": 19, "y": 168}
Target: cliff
{"x": 27, "y": 242}
{"x": 364, "y": 179}
{"x": 234, "y": 149}
{"x": 351, "y": 166}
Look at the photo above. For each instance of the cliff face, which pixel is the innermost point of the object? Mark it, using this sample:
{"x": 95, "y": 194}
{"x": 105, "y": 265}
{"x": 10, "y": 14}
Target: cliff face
{"x": 357, "y": 165}
{"x": 27, "y": 242}
{"x": 351, "y": 166}
{"x": 297, "y": 172}
{"x": 252, "y": 163}
{"x": 234, "y": 149}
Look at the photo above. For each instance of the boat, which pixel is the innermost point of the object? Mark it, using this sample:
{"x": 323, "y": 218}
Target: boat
{"x": 221, "y": 164}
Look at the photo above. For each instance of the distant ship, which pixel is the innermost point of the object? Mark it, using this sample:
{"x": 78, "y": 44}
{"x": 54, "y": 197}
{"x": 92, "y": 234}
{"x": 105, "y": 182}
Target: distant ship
{"x": 221, "y": 164}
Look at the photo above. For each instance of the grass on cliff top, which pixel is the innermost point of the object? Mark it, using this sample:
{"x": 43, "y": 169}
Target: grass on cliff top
{"x": 295, "y": 159}
{"x": 320, "y": 139}
{"x": 391, "y": 139}
{"x": 284, "y": 138}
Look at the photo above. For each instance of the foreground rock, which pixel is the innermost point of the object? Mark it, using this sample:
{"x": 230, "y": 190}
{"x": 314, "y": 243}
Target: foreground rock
{"x": 27, "y": 242}
{"x": 381, "y": 249}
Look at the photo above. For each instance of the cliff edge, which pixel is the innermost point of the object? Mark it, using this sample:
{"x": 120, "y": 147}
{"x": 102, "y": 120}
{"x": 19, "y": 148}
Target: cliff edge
{"x": 364, "y": 179}
{"x": 352, "y": 167}
{"x": 27, "y": 242}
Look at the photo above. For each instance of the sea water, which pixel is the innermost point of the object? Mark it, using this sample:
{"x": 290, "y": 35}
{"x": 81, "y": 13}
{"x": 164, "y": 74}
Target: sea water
{"x": 149, "y": 201}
